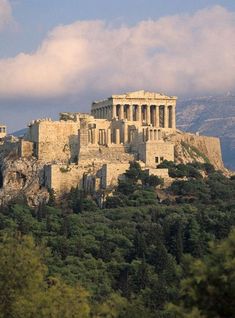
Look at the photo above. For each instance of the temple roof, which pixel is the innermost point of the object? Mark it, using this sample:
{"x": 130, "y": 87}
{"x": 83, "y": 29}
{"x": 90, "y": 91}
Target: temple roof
{"x": 143, "y": 94}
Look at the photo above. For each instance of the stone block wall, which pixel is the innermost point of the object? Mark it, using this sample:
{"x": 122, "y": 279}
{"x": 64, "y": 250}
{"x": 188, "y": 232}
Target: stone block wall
{"x": 114, "y": 153}
{"x": 111, "y": 172}
{"x": 153, "y": 153}
{"x": 61, "y": 178}
{"x": 55, "y": 141}
{"x": 161, "y": 173}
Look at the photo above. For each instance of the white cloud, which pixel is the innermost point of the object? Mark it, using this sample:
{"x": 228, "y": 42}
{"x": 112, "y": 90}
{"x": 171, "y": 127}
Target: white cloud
{"x": 5, "y": 14}
{"x": 176, "y": 54}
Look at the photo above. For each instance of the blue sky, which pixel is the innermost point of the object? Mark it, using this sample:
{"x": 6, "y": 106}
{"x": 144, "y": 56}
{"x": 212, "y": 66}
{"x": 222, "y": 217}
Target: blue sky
{"x": 37, "y": 17}
{"x": 53, "y": 52}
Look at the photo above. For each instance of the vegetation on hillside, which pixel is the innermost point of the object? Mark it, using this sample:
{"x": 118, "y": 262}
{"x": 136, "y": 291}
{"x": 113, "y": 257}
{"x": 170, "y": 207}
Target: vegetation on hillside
{"x": 139, "y": 256}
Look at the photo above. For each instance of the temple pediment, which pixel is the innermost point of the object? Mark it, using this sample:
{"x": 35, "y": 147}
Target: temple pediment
{"x": 143, "y": 94}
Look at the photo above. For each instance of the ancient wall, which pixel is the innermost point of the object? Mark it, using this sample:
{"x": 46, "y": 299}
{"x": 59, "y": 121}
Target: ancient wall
{"x": 110, "y": 173}
{"x": 153, "y": 153}
{"x": 161, "y": 173}
{"x": 61, "y": 178}
{"x": 55, "y": 141}
{"x": 102, "y": 154}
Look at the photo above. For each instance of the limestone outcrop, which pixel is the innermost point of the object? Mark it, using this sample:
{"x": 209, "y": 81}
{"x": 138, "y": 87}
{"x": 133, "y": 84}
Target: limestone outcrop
{"x": 22, "y": 177}
{"x": 191, "y": 147}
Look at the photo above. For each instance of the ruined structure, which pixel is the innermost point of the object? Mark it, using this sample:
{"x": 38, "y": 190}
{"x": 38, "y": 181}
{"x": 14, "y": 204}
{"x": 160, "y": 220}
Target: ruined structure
{"x": 82, "y": 148}
{"x": 3, "y": 132}
{"x": 93, "y": 150}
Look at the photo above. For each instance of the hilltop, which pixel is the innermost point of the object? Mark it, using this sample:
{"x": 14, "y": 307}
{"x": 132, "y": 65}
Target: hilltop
{"x": 211, "y": 116}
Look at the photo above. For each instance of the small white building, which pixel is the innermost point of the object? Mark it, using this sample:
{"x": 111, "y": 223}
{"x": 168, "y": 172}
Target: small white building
{"x": 3, "y": 131}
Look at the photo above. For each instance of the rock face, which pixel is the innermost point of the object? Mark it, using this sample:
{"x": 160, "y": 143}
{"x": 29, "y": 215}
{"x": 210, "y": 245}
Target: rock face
{"x": 191, "y": 147}
{"x": 211, "y": 116}
{"x": 22, "y": 177}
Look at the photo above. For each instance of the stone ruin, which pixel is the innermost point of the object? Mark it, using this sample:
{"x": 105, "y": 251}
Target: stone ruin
{"x": 92, "y": 151}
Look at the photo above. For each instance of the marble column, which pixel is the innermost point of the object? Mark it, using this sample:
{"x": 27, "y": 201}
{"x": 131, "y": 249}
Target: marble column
{"x": 148, "y": 119}
{"x": 138, "y": 113}
{"x": 130, "y": 112}
{"x": 104, "y": 136}
{"x": 157, "y": 116}
{"x": 114, "y": 111}
{"x": 108, "y": 136}
{"x": 166, "y": 116}
{"x": 89, "y": 136}
{"x": 99, "y": 142}
{"x": 121, "y": 112}
{"x": 93, "y": 134}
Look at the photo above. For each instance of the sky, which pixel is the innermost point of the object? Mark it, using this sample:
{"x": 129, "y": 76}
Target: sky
{"x": 61, "y": 55}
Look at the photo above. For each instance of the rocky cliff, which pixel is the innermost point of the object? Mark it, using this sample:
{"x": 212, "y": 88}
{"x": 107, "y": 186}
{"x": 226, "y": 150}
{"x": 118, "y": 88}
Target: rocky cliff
{"x": 21, "y": 177}
{"x": 190, "y": 147}
{"x": 211, "y": 116}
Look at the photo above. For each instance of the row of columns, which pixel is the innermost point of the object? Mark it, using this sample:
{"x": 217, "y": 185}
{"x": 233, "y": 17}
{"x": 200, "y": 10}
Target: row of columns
{"x": 103, "y": 136}
{"x": 151, "y": 134}
{"x": 158, "y": 115}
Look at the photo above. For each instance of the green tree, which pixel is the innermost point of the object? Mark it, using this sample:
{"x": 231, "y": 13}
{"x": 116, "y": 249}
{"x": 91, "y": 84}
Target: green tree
{"x": 25, "y": 290}
{"x": 209, "y": 288}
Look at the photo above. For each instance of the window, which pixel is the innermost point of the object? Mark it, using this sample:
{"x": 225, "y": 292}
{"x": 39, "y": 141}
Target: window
{"x": 161, "y": 159}
{"x": 156, "y": 160}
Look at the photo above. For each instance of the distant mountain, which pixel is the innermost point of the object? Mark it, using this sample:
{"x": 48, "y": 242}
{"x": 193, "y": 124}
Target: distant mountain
{"x": 211, "y": 116}
{"x": 19, "y": 133}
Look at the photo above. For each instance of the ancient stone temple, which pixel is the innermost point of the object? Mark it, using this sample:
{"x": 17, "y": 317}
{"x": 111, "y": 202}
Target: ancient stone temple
{"x": 142, "y": 108}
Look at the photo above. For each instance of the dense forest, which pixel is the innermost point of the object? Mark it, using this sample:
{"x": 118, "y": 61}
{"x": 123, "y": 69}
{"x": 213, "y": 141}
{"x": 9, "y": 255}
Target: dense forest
{"x": 149, "y": 252}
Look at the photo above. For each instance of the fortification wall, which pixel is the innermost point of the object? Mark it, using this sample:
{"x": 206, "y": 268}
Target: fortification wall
{"x": 110, "y": 173}
{"x": 61, "y": 178}
{"x": 55, "y": 141}
{"x": 103, "y": 154}
{"x": 161, "y": 173}
{"x": 153, "y": 153}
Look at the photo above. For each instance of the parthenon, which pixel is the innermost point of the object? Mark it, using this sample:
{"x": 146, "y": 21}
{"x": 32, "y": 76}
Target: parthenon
{"x": 140, "y": 107}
